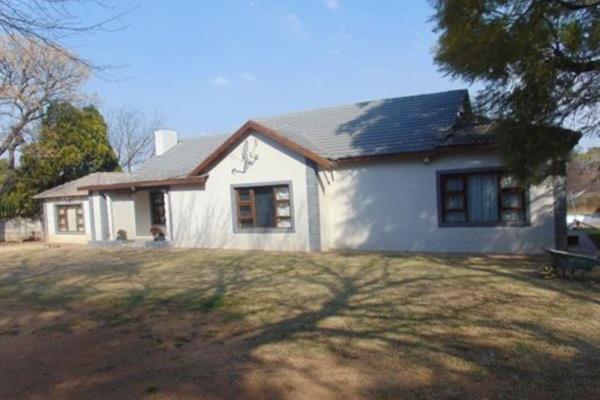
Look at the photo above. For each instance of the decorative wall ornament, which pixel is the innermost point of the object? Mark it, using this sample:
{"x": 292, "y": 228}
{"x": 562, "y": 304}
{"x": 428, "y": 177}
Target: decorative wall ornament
{"x": 249, "y": 156}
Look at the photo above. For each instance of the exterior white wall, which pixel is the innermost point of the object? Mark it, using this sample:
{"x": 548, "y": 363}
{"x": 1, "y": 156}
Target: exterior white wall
{"x": 204, "y": 217}
{"x": 143, "y": 221}
{"x": 100, "y": 217}
{"x": 393, "y": 206}
{"x": 123, "y": 214}
{"x": 53, "y": 236}
{"x": 389, "y": 206}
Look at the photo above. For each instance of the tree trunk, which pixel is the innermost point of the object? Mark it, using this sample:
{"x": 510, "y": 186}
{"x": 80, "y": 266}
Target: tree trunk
{"x": 11, "y": 158}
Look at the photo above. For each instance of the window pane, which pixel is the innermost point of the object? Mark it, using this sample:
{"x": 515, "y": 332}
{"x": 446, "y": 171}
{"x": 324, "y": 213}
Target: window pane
{"x": 264, "y": 206}
{"x": 283, "y": 210}
{"x": 282, "y": 193}
{"x": 508, "y": 181}
{"x": 511, "y": 200}
{"x": 157, "y": 204}
{"x": 245, "y": 211}
{"x": 455, "y": 216}
{"x": 246, "y": 224}
{"x": 71, "y": 219}
{"x": 284, "y": 223}
{"x": 455, "y": 202}
{"x": 513, "y": 216}
{"x": 80, "y": 223}
{"x": 482, "y": 200}
{"x": 454, "y": 184}
{"x": 62, "y": 219}
{"x": 487, "y": 196}
{"x": 244, "y": 194}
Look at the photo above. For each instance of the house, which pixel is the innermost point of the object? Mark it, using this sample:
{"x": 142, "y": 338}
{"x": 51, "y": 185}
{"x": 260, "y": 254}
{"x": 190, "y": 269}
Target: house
{"x": 412, "y": 173}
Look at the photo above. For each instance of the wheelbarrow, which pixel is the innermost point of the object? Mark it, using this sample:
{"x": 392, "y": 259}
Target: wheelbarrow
{"x": 568, "y": 261}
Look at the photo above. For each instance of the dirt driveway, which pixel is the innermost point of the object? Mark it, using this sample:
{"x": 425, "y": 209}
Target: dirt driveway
{"x": 79, "y": 323}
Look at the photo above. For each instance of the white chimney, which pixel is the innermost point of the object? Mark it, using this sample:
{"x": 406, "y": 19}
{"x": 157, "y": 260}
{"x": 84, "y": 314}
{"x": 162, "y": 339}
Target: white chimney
{"x": 163, "y": 141}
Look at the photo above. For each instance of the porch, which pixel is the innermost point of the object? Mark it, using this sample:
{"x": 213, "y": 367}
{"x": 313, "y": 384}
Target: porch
{"x": 130, "y": 218}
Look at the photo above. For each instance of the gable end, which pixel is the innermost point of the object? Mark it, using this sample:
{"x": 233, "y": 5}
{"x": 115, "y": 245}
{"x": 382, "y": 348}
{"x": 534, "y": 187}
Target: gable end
{"x": 242, "y": 133}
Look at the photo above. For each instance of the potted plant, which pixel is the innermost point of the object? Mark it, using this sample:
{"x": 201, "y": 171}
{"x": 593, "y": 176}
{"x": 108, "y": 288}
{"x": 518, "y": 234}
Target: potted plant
{"x": 122, "y": 235}
{"x": 157, "y": 233}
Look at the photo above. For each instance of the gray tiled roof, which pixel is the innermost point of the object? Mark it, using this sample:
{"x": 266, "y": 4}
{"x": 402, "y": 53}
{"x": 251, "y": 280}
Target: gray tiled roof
{"x": 177, "y": 162}
{"x": 181, "y": 159}
{"x": 477, "y": 132}
{"x": 69, "y": 189}
{"x": 397, "y": 125}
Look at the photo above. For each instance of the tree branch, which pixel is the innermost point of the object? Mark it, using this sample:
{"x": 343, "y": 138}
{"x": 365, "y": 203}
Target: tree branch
{"x": 575, "y": 5}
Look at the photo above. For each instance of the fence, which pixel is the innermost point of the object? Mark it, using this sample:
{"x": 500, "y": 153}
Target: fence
{"x": 18, "y": 229}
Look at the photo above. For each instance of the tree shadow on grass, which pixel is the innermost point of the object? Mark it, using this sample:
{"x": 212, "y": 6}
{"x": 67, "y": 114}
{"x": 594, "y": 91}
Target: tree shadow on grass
{"x": 265, "y": 325}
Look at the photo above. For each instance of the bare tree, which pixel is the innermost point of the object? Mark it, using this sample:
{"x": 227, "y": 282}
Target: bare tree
{"x": 583, "y": 180}
{"x": 131, "y": 135}
{"x": 32, "y": 76}
{"x": 51, "y": 21}
{"x": 584, "y": 171}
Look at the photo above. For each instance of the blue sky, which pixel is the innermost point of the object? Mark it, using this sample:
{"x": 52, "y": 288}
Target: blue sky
{"x": 208, "y": 66}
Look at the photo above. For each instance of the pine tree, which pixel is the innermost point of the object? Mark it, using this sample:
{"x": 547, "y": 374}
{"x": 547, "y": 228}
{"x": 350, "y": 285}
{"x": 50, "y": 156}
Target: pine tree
{"x": 539, "y": 62}
{"x": 71, "y": 143}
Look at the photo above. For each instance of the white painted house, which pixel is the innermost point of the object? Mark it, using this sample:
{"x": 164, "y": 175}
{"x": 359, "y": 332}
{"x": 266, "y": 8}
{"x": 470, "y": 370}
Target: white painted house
{"x": 404, "y": 174}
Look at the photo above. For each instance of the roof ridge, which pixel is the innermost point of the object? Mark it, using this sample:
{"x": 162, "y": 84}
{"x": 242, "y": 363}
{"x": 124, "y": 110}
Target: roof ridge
{"x": 331, "y": 108}
{"x": 107, "y": 172}
{"x": 200, "y": 137}
{"x": 181, "y": 141}
{"x": 92, "y": 176}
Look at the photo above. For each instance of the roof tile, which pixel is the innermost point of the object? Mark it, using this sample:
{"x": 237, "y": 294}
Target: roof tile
{"x": 390, "y": 126}
{"x": 397, "y": 125}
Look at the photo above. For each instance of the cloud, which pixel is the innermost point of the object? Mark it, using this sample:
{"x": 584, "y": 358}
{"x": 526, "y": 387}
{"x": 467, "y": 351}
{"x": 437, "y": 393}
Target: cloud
{"x": 295, "y": 25}
{"x": 293, "y": 22}
{"x": 248, "y": 77}
{"x": 220, "y": 81}
{"x": 332, "y": 4}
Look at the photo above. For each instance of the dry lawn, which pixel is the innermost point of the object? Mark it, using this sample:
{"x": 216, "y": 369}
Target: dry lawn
{"x": 84, "y": 323}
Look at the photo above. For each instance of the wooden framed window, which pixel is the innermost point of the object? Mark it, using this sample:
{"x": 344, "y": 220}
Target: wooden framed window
{"x": 481, "y": 198}
{"x": 157, "y": 208}
{"x": 263, "y": 207}
{"x": 455, "y": 198}
{"x": 512, "y": 200}
{"x": 69, "y": 218}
